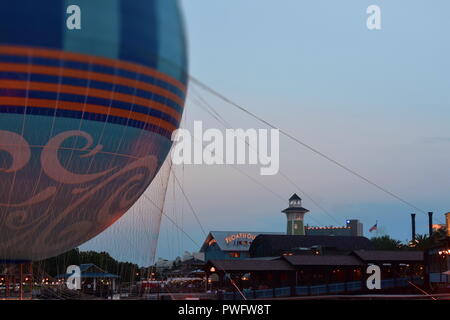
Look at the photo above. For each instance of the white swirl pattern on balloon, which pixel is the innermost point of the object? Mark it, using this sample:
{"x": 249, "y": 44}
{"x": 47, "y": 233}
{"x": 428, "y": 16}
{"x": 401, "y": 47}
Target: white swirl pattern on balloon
{"x": 17, "y": 147}
{"x": 72, "y": 207}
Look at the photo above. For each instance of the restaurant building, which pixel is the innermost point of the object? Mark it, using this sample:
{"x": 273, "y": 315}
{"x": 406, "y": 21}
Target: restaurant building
{"x": 276, "y": 245}
{"x": 352, "y": 228}
{"x": 220, "y": 245}
{"x": 306, "y": 274}
{"x": 437, "y": 259}
{"x": 307, "y": 261}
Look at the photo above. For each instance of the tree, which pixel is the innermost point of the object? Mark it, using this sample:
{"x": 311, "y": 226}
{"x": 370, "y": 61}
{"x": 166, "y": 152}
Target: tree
{"x": 439, "y": 234}
{"x": 386, "y": 243}
{"x": 58, "y": 265}
{"x": 422, "y": 242}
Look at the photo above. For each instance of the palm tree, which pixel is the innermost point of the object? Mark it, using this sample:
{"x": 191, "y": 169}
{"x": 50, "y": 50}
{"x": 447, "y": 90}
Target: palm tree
{"x": 422, "y": 242}
{"x": 386, "y": 243}
{"x": 439, "y": 234}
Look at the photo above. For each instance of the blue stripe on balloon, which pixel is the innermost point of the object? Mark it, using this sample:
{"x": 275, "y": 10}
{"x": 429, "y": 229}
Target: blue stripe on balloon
{"x": 92, "y": 84}
{"x": 94, "y": 68}
{"x": 86, "y": 116}
{"x": 89, "y": 100}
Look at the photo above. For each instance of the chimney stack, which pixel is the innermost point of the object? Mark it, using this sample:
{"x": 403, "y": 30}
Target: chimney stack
{"x": 413, "y": 226}
{"x": 430, "y": 223}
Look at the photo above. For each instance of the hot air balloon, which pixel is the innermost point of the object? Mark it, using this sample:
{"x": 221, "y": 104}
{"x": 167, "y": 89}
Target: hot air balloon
{"x": 86, "y": 115}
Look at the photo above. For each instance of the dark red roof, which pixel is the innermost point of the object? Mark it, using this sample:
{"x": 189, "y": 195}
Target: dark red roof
{"x": 390, "y": 256}
{"x": 312, "y": 260}
{"x": 251, "y": 265}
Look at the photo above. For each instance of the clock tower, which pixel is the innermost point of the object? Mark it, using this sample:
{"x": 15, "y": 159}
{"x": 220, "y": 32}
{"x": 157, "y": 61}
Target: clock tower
{"x": 294, "y": 214}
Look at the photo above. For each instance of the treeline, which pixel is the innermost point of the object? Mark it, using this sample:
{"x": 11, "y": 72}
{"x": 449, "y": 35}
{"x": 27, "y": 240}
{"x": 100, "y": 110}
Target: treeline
{"x": 127, "y": 271}
{"x": 422, "y": 242}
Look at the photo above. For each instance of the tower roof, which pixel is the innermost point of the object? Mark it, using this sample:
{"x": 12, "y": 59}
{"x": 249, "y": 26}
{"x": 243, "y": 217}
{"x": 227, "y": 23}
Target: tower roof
{"x": 295, "y": 197}
{"x": 295, "y": 210}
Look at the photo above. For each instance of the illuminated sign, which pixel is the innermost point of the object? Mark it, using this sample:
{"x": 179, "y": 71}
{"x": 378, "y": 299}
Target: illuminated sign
{"x": 236, "y": 236}
{"x": 326, "y": 228}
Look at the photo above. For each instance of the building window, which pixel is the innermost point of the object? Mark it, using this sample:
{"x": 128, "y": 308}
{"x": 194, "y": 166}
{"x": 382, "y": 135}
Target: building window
{"x": 235, "y": 254}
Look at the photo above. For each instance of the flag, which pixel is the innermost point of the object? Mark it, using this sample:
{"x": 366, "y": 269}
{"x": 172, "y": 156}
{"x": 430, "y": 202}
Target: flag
{"x": 375, "y": 227}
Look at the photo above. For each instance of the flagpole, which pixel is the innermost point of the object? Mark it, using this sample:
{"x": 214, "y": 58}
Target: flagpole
{"x": 376, "y": 223}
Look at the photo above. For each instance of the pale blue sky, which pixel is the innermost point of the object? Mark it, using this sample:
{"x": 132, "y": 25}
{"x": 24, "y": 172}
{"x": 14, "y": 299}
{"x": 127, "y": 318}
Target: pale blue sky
{"x": 377, "y": 101}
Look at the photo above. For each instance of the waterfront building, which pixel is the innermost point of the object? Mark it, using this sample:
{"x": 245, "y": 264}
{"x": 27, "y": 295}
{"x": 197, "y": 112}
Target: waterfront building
{"x": 352, "y": 228}
{"x": 229, "y": 244}
{"x": 295, "y": 214}
{"x": 297, "y": 275}
{"x": 277, "y": 245}
{"x": 437, "y": 259}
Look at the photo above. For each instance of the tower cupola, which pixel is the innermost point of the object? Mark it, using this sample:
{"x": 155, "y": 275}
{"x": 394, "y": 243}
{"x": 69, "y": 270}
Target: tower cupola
{"x": 295, "y": 214}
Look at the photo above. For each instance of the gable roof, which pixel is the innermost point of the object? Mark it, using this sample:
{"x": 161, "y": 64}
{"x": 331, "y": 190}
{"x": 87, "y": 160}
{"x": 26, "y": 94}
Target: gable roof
{"x": 232, "y": 240}
{"x": 390, "y": 256}
{"x": 295, "y": 197}
{"x": 251, "y": 265}
{"x": 90, "y": 270}
{"x": 85, "y": 266}
{"x": 313, "y": 260}
{"x": 90, "y": 275}
{"x": 275, "y": 245}
{"x": 193, "y": 261}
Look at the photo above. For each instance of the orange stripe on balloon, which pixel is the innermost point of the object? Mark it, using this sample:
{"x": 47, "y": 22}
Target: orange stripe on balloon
{"x": 104, "y": 94}
{"x": 91, "y": 108}
{"x": 79, "y": 57}
{"x": 80, "y": 74}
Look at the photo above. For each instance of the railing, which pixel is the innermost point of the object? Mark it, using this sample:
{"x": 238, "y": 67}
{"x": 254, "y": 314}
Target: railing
{"x": 332, "y": 288}
{"x": 317, "y": 290}
{"x": 439, "y": 277}
{"x": 302, "y": 291}
{"x": 229, "y": 296}
{"x": 282, "y": 292}
{"x": 388, "y": 284}
{"x": 336, "y": 287}
{"x": 261, "y": 294}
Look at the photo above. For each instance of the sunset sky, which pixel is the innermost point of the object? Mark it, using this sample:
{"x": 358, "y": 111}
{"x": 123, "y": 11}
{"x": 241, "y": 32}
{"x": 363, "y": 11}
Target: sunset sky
{"x": 376, "y": 101}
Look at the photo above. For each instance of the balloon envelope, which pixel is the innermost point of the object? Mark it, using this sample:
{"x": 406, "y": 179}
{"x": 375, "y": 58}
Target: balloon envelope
{"x": 86, "y": 115}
